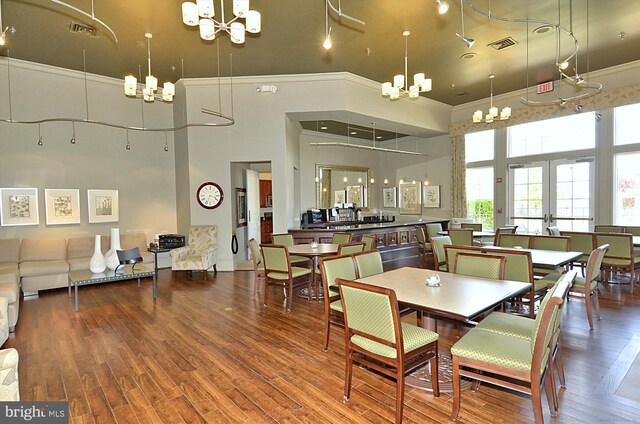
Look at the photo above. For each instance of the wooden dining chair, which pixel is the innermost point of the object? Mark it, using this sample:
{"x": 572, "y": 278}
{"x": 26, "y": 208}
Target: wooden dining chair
{"x": 514, "y": 240}
{"x": 437, "y": 249}
{"x": 349, "y": 248}
{"x": 587, "y": 287}
{"x": 258, "y": 265}
{"x": 580, "y": 242}
{"x": 422, "y": 245}
{"x": 479, "y": 265}
{"x": 432, "y": 230}
{"x": 620, "y": 256}
{"x": 461, "y": 236}
{"x": 450, "y": 252}
{"x": 377, "y": 339}
{"x": 472, "y": 225}
{"x": 369, "y": 242}
{"x": 368, "y": 263}
{"x": 558, "y": 243}
{"x": 341, "y": 238}
{"x": 331, "y": 269}
{"x": 503, "y": 230}
{"x": 508, "y": 361}
{"x": 287, "y": 240}
{"x": 609, "y": 229}
{"x": 280, "y": 273}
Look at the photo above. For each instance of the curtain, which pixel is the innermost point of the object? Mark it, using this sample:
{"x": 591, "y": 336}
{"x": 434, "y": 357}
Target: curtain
{"x": 458, "y": 178}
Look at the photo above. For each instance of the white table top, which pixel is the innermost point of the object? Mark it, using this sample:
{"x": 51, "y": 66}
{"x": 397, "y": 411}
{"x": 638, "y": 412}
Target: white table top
{"x": 459, "y": 297}
{"x": 323, "y": 249}
{"x": 546, "y": 258}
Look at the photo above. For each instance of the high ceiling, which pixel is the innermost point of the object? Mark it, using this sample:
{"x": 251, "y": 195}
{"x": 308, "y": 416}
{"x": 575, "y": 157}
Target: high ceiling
{"x": 293, "y": 31}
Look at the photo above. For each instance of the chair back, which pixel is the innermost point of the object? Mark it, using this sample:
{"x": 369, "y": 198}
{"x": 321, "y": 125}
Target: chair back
{"x": 513, "y": 240}
{"x": 553, "y": 231}
{"x": 349, "y": 248}
{"x": 580, "y": 242}
{"x": 450, "y": 252}
{"x": 437, "y": 247}
{"x": 474, "y": 226}
{"x": 635, "y": 231}
{"x": 480, "y": 265}
{"x": 609, "y": 229}
{"x": 461, "y": 236}
{"x": 369, "y": 242}
{"x": 560, "y": 243}
{"x": 276, "y": 258}
{"x": 368, "y": 263}
{"x": 282, "y": 239}
{"x": 341, "y": 238}
{"x": 518, "y": 265}
{"x": 433, "y": 229}
{"x": 372, "y": 313}
{"x": 202, "y": 237}
{"x": 333, "y": 268}
{"x": 500, "y": 231}
{"x": 256, "y": 257}
{"x": 593, "y": 267}
{"x": 620, "y": 247}
{"x": 420, "y": 234}
{"x": 546, "y": 318}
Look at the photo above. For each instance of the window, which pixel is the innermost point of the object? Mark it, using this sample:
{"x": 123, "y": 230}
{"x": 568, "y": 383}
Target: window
{"x": 479, "y": 146}
{"x": 627, "y": 125}
{"x": 575, "y": 132}
{"x": 480, "y": 195}
{"x": 627, "y": 189}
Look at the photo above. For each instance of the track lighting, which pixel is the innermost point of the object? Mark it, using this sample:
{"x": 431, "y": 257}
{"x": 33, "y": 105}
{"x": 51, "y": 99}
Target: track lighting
{"x": 443, "y": 6}
{"x": 327, "y": 44}
{"x": 468, "y": 41}
{"x": 5, "y": 34}
{"x": 39, "y": 136}
{"x": 578, "y": 107}
{"x": 128, "y": 146}
{"x": 73, "y": 137}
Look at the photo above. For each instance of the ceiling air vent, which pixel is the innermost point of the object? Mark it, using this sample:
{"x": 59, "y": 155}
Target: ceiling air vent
{"x": 503, "y": 43}
{"x": 83, "y": 29}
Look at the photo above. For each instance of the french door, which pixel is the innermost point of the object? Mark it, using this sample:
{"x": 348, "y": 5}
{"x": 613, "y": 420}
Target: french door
{"x": 552, "y": 193}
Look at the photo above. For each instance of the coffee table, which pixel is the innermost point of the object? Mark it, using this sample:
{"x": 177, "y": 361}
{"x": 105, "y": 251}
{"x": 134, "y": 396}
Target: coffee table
{"x": 85, "y": 277}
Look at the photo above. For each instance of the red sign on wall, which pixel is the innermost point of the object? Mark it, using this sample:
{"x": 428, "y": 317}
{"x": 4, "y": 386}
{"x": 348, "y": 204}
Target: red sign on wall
{"x": 545, "y": 87}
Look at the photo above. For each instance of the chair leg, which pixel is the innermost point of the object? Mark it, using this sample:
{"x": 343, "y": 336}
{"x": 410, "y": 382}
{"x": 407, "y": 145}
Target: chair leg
{"x": 559, "y": 366}
{"x": 327, "y": 330}
{"x": 347, "y": 374}
{"x": 552, "y": 396}
{"x": 536, "y": 401}
{"x": 596, "y": 303}
{"x": 289, "y": 295}
{"x": 435, "y": 384}
{"x": 455, "y": 410}
{"x": 399, "y": 394}
{"x": 266, "y": 290}
{"x": 587, "y": 303}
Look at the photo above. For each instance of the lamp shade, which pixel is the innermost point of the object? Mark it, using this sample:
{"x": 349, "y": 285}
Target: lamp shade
{"x": 386, "y": 88}
{"x": 418, "y": 79}
{"x": 147, "y": 95}
{"x": 394, "y": 94}
{"x": 493, "y": 111}
{"x": 237, "y": 33}
{"x": 426, "y": 85}
{"x": 151, "y": 82}
{"x": 398, "y": 81}
{"x": 477, "y": 116}
{"x": 414, "y": 92}
{"x": 189, "y": 13}
{"x": 168, "y": 91}
{"x": 506, "y": 113}
{"x": 130, "y": 85}
{"x": 205, "y": 8}
{"x": 240, "y": 8}
{"x": 207, "y": 29}
{"x": 253, "y": 21}
{"x": 488, "y": 118}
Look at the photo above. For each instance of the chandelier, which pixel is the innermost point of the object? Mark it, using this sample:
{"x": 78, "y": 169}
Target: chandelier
{"x": 148, "y": 91}
{"x": 505, "y": 113}
{"x": 400, "y": 88}
{"x": 201, "y": 14}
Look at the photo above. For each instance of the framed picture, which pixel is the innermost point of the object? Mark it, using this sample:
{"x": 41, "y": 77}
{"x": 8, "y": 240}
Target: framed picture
{"x": 340, "y": 196}
{"x": 431, "y": 196}
{"x": 103, "y": 206}
{"x": 62, "y": 206}
{"x": 19, "y": 206}
{"x": 241, "y": 197}
{"x": 409, "y": 194}
{"x": 389, "y": 197}
{"x": 354, "y": 195}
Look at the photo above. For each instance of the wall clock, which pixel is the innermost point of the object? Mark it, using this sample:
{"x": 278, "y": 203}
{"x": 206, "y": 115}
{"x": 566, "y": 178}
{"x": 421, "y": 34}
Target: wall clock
{"x": 209, "y": 195}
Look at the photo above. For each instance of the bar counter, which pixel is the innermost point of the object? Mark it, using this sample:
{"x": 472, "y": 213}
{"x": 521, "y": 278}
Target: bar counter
{"x": 394, "y": 240}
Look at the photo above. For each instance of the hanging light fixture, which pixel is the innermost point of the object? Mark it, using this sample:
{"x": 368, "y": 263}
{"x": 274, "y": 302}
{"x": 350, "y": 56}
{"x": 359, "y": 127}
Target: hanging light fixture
{"x": 468, "y": 41}
{"x": 400, "y": 86}
{"x": 443, "y": 6}
{"x": 201, "y": 14}
{"x": 149, "y": 92}
{"x": 505, "y": 113}
{"x": 327, "y": 43}
{"x": 73, "y": 137}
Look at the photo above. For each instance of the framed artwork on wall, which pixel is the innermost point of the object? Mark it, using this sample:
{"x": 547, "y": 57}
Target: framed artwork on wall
{"x": 431, "y": 197}
{"x": 340, "y": 196}
{"x": 389, "y": 197}
{"x": 241, "y": 196}
{"x": 19, "y": 206}
{"x": 62, "y": 206}
{"x": 410, "y": 199}
{"x": 354, "y": 195}
{"x": 103, "y": 206}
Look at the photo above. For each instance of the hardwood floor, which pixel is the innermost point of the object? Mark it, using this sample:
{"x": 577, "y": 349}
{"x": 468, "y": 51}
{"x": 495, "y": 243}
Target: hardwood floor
{"x": 206, "y": 351}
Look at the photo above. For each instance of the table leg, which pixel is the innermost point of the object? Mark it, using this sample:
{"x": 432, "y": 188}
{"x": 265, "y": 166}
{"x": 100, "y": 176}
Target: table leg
{"x": 138, "y": 282}
{"x": 154, "y": 286}
{"x": 76, "y": 289}
{"x": 314, "y": 266}
{"x": 69, "y": 284}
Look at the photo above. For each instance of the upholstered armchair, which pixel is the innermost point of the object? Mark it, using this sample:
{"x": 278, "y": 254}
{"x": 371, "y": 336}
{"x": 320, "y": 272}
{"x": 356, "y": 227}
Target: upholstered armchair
{"x": 200, "y": 254}
{"x": 9, "y": 389}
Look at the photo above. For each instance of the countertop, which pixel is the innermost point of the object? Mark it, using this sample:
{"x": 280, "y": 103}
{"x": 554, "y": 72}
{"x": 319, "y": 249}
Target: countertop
{"x": 338, "y": 226}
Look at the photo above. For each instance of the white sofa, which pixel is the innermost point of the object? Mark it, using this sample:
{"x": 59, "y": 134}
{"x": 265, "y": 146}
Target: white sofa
{"x": 9, "y": 387}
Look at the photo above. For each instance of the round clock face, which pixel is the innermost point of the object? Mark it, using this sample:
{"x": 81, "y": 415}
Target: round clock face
{"x": 209, "y": 195}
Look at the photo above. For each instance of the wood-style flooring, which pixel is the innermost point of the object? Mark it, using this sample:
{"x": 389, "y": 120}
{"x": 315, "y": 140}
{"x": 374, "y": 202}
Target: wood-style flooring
{"x": 207, "y": 351}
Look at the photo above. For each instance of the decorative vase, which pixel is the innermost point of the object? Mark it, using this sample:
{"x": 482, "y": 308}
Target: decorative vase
{"x": 97, "y": 264}
{"x": 112, "y": 255}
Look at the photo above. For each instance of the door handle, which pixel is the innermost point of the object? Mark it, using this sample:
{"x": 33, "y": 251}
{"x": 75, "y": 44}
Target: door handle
{"x": 544, "y": 218}
{"x": 550, "y": 218}
{"x": 249, "y": 215}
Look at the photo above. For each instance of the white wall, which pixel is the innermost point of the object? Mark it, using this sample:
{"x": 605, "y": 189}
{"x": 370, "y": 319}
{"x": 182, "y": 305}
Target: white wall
{"x": 144, "y": 175}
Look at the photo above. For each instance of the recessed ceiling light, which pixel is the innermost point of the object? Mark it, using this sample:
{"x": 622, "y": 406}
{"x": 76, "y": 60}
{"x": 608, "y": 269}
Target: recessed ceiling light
{"x": 468, "y": 56}
{"x": 353, "y": 132}
{"x": 323, "y": 127}
{"x": 542, "y": 29}
{"x": 378, "y": 137}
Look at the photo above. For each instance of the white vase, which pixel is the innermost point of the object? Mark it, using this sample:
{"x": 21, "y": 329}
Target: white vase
{"x": 112, "y": 255}
{"x": 97, "y": 264}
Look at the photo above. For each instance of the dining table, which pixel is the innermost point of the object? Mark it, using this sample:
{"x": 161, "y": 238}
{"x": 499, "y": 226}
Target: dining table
{"x": 550, "y": 259}
{"x": 459, "y": 298}
{"x": 313, "y": 252}
{"x": 476, "y": 234}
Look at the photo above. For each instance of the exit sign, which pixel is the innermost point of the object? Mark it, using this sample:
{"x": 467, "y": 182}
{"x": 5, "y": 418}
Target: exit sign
{"x": 545, "y": 87}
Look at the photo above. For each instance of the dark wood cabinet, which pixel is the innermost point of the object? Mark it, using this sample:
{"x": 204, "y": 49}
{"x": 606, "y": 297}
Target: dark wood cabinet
{"x": 265, "y": 194}
{"x": 266, "y": 228}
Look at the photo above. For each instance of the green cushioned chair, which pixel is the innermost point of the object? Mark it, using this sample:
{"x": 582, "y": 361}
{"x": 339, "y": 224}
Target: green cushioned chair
{"x": 287, "y": 240}
{"x": 501, "y": 231}
{"x": 432, "y": 230}
{"x": 349, "y": 248}
{"x": 519, "y": 267}
{"x": 473, "y": 226}
{"x": 620, "y": 256}
{"x": 587, "y": 287}
{"x": 368, "y": 263}
{"x": 553, "y": 231}
{"x": 331, "y": 269}
{"x": 580, "y": 242}
{"x": 513, "y": 240}
{"x": 377, "y": 339}
{"x": 341, "y": 238}
{"x": 423, "y": 245}
{"x": 479, "y": 265}
{"x": 450, "y": 252}
{"x": 461, "y": 236}
{"x": 369, "y": 242}
{"x": 258, "y": 265}
{"x": 512, "y": 362}
{"x": 437, "y": 248}
{"x": 279, "y": 272}
{"x": 559, "y": 243}
{"x": 609, "y": 229}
